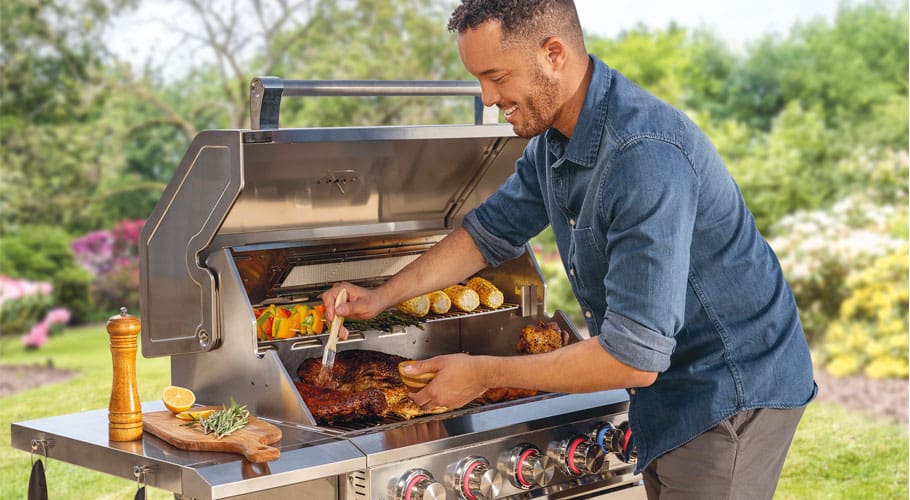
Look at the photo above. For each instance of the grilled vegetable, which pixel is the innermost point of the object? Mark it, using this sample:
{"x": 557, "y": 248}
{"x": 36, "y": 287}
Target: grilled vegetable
{"x": 440, "y": 303}
{"x": 462, "y": 297}
{"x": 274, "y": 322}
{"x": 490, "y": 296}
{"x": 418, "y": 306}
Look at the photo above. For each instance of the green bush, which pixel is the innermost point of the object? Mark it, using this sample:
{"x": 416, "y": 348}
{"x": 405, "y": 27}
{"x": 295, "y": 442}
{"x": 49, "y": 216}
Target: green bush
{"x": 43, "y": 253}
{"x": 73, "y": 289}
{"x": 35, "y": 252}
{"x": 22, "y": 304}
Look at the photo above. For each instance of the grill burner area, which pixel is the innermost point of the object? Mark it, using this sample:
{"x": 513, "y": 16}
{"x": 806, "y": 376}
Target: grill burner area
{"x": 366, "y": 385}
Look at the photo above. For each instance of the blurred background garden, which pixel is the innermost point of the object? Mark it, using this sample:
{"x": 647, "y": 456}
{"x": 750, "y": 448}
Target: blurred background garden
{"x": 812, "y": 122}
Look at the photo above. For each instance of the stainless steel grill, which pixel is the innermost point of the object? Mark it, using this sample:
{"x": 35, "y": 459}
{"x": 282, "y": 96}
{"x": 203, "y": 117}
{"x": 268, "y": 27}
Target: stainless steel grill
{"x": 272, "y": 215}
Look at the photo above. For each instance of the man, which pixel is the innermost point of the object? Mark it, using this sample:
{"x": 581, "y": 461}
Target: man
{"x": 686, "y": 302}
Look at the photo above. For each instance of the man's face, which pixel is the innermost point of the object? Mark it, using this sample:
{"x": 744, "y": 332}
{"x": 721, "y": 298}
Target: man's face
{"x": 514, "y": 79}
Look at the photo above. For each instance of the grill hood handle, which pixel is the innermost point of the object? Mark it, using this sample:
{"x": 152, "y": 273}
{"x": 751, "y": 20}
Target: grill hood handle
{"x": 266, "y": 93}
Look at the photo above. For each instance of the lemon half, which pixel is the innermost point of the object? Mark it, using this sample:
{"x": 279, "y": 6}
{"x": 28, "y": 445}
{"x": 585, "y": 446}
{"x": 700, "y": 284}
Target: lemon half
{"x": 178, "y": 399}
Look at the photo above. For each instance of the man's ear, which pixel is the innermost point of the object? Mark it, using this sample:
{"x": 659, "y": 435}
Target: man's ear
{"x": 556, "y": 52}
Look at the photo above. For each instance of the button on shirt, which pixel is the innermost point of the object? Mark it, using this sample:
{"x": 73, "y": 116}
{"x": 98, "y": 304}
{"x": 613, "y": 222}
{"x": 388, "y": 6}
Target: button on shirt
{"x": 664, "y": 258}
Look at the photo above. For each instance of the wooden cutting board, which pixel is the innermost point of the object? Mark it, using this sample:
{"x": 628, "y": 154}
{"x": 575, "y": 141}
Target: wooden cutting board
{"x": 251, "y": 441}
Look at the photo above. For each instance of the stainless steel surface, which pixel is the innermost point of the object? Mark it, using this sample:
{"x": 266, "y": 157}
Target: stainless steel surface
{"x": 258, "y": 217}
{"x": 82, "y": 439}
{"x": 229, "y": 193}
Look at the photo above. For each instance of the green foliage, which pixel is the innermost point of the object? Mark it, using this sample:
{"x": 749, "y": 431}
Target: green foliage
{"x": 849, "y": 69}
{"x": 35, "y": 252}
{"x": 791, "y": 168}
{"x": 44, "y": 253}
{"x": 657, "y": 61}
{"x": 870, "y": 334}
{"x": 382, "y": 41}
{"x": 17, "y": 315}
{"x": 58, "y": 144}
{"x": 73, "y": 289}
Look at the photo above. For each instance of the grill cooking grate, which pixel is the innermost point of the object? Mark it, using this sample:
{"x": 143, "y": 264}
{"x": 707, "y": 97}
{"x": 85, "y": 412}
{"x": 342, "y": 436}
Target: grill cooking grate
{"x": 394, "y": 421}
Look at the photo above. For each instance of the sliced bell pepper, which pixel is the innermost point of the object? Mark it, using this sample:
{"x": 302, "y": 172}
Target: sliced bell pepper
{"x": 318, "y": 318}
{"x": 294, "y": 322}
{"x": 264, "y": 323}
{"x": 282, "y": 328}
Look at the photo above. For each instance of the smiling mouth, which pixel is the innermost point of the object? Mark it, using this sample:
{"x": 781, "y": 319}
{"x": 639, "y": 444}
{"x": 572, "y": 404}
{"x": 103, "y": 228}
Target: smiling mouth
{"x": 509, "y": 111}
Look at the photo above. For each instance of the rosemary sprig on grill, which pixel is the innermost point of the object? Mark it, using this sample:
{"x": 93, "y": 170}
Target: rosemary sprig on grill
{"x": 384, "y": 321}
{"x": 222, "y": 422}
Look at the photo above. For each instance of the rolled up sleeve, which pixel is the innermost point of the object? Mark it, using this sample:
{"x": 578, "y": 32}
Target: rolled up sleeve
{"x": 634, "y": 344}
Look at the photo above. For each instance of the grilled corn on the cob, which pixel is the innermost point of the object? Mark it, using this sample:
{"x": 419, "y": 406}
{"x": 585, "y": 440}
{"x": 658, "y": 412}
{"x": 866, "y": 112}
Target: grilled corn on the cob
{"x": 418, "y": 306}
{"x": 463, "y": 297}
{"x": 490, "y": 296}
{"x": 440, "y": 302}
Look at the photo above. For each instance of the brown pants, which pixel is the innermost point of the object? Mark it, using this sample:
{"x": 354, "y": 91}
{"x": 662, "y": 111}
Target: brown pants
{"x": 739, "y": 458}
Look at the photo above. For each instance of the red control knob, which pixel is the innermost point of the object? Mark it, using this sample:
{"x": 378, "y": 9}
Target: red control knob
{"x": 475, "y": 480}
{"x": 579, "y": 456}
{"x": 418, "y": 484}
{"x": 528, "y": 468}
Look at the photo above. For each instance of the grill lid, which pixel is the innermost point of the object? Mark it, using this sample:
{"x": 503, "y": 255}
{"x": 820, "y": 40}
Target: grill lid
{"x": 280, "y": 188}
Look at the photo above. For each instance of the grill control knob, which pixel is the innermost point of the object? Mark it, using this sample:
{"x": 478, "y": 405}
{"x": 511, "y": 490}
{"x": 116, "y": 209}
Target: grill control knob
{"x": 616, "y": 440}
{"x": 418, "y": 484}
{"x": 528, "y": 468}
{"x": 475, "y": 480}
{"x": 578, "y": 456}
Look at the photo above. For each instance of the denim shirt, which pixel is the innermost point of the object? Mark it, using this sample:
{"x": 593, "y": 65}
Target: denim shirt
{"x": 664, "y": 257}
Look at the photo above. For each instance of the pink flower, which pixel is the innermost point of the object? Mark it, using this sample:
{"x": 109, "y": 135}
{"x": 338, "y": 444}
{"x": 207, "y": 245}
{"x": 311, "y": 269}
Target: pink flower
{"x": 59, "y": 315}
{"x": 37, "y": 337}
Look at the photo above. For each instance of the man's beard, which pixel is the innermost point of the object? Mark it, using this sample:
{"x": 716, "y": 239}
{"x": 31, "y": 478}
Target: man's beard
{"x": 539, "y": 108}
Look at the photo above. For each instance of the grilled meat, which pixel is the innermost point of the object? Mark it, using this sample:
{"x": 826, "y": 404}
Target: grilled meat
{"x": 540, "y": 338}
{"x": 366, "y": 384}
{"x": 356, "y": 370}
{"x": 333, "y": 406}
{"x": 500, "y": 394}
{"x": 359, "y": 376}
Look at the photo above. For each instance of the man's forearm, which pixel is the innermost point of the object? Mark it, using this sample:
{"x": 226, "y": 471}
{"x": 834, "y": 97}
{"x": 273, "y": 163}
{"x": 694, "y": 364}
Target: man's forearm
{"x": 581, "y": 367}
{"x": 451, "y": 260}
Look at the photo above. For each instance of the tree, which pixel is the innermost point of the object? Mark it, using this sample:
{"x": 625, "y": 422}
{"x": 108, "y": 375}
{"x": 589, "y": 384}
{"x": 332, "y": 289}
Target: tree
{"x": 55, "y": 136}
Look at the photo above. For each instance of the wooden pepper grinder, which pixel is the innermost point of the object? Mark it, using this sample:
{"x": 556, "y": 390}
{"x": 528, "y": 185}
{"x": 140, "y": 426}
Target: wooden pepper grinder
{"x": 125, "y": 411}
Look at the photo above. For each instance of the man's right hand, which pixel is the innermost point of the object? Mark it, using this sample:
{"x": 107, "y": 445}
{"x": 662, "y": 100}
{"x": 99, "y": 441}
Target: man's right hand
{"x": 362, "y": 303}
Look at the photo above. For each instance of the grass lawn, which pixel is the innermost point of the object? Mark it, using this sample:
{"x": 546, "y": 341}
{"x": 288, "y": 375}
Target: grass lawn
{"x": 837, "y": 454}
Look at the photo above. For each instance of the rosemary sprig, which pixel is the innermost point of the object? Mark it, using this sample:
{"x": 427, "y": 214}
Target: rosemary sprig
{"x": 222, "y": 422}
{"x": 384, "y": 321}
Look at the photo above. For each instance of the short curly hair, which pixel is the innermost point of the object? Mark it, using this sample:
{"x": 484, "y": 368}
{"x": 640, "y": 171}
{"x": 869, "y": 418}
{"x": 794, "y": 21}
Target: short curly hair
{"x": 521, "y": 21}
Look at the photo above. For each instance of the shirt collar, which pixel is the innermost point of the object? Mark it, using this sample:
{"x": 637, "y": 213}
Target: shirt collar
{"x": 584, "y": 145}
